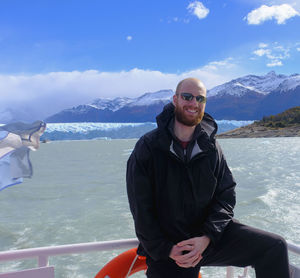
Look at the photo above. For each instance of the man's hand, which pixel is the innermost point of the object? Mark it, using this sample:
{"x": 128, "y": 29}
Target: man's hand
{"x": 177, "y": 251}
{"x": 194, "y": 246}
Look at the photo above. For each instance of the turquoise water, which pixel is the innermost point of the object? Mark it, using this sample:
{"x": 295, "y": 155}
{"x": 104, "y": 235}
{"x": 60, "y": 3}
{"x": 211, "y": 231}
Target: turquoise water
{"x": 78, "y": 194}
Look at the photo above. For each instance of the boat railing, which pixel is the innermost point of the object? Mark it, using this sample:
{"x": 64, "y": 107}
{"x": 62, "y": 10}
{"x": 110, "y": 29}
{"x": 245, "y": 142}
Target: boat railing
{"x": 42, "y": 254}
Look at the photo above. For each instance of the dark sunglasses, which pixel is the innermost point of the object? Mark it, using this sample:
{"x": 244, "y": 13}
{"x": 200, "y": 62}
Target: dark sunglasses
{"x": 189, "y": 97}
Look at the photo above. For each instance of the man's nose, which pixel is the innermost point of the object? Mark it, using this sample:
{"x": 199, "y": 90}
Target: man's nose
{"x": 194, "y": 101}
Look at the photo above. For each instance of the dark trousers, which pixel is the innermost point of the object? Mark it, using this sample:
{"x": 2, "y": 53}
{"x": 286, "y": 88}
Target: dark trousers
{"x": 240, "y": 246}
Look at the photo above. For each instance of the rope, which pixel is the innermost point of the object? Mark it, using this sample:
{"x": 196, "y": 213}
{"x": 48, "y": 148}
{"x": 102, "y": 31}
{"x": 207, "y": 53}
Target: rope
{"x": 132, "y": 265}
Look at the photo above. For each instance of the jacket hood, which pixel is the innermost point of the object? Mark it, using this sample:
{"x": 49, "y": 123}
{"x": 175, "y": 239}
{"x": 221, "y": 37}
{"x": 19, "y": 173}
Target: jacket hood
{"x": 207, "y": 124}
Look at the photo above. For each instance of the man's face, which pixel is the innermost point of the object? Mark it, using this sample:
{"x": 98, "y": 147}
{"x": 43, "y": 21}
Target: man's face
{"x": 189, "y": 113}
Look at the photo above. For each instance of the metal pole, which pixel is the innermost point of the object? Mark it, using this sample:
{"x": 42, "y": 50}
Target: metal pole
{"x": 43, "y": 261}
{"x": 230, "y": 272}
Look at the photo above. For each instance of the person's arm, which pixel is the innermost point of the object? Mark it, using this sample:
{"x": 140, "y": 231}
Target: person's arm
{"x": 220, "y": 210}
{"x": 140, "y": 190}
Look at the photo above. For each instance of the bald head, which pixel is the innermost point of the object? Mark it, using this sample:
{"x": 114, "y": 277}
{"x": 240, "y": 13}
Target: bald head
{"x": 190, "y": 84}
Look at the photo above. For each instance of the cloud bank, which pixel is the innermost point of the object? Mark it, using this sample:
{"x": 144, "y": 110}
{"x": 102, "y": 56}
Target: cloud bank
{"x": 281, "y": 13}
{"x": 42, "y": 95}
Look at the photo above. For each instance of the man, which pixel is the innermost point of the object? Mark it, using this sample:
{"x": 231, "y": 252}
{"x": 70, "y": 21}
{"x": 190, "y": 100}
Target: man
{"x": 181, "y": 195}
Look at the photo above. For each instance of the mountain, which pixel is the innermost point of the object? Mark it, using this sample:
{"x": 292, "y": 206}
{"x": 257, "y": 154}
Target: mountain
{"x": 122, "y": 110}
{"x": 250, "y": 83}
{"x": 252, "y": 97}
{"x": 246, "y": 98}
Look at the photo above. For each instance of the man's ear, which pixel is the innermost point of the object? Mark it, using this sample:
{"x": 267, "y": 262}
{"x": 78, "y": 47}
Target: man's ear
{"x": 175, "y": 99}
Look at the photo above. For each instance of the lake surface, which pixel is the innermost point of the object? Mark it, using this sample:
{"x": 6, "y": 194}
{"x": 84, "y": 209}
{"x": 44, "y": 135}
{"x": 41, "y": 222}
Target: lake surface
{"x": 78, "y": 194}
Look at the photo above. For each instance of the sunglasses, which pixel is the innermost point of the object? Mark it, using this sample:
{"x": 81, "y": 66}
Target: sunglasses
{"x": 190, "y": 97}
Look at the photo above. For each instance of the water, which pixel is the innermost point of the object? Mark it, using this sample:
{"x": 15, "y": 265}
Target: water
{"x": 77, "y": 194}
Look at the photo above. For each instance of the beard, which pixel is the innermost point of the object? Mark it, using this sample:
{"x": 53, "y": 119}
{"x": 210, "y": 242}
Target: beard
{"x": 183, "y": 119}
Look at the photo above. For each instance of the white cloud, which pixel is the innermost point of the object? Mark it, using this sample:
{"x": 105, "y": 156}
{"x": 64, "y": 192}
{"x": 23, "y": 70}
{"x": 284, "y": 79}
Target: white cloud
{"x": 294, "y": 3}
{"x": 217, "y": 65}
{"x": 280, "y": 13}
{"x": 44, "y": 94}
{"x": 274, "y": 54}
{"x": 129, "y": 38}
{"x": 275, "y": 64}
{"x": 262, "y": 45}
{"x": 262, "y": 52}
{"x": 298, "y": 48}
{"x": 198, "y": 9}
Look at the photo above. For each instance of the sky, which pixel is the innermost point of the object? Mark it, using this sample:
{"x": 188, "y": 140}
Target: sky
{"x": 60, "y": 53}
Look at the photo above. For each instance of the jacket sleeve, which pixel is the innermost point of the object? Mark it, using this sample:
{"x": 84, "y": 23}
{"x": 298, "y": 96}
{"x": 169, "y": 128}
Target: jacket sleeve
{"x": 140, "y": 190}
{"x": 220, "y": 211}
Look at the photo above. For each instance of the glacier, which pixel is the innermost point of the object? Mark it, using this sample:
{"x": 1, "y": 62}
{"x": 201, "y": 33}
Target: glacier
{"x": 107, "y": 131}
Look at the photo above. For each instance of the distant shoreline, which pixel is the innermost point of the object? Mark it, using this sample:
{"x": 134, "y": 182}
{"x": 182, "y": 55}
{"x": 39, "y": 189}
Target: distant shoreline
{"x": 258, "y": 131}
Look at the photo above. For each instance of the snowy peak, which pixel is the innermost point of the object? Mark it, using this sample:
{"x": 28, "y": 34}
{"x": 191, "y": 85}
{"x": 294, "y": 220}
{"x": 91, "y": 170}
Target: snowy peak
{"x": 263, "y": 84}
{"x": 120, "y": 109}
{"x": 119, "y": 102}
{"x": 152, "y": 98}
{"x": 234, "y": 88}
{"x": 110, "y": 104}
{"x": 290, "y": 83}
{"x": 258, "y": 84}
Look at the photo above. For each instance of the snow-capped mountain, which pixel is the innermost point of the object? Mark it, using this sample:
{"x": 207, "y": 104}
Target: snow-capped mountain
{"x": 290, "y": 83}
{"x": 164, "y": 96}
{"x": 110, "y": 104}
{"x": 252, "y": 83}
{"x": 252, "y": 96}
{"x": 121, "y": 109}
{"x": 246, "y": 98}
{"x": 120, "y": 102}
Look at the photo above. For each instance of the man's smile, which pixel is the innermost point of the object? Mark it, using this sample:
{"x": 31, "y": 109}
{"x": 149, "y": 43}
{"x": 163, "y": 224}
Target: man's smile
{"x": 191, "y": 111}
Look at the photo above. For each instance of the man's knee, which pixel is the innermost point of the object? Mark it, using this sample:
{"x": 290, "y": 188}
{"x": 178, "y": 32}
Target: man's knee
{"x": 275, "y": 252}
{"x": 274, "y": 261}
{"x": 278, "y": 242}
{"x": 280, "y": 245}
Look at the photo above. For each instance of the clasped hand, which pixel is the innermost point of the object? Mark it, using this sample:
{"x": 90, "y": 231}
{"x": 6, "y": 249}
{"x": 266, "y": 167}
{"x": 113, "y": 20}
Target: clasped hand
{"x": 188, "y": 253}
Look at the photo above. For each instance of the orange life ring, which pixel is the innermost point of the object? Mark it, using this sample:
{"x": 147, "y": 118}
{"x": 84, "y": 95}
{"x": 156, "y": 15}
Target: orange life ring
{"x": 119, "y": 266}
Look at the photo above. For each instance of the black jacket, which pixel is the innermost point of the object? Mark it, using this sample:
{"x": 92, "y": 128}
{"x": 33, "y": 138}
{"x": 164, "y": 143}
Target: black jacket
{"x": 175, "y": 195}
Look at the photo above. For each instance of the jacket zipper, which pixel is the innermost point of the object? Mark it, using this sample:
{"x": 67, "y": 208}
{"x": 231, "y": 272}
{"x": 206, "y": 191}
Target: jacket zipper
{"x": 197, "y": 156}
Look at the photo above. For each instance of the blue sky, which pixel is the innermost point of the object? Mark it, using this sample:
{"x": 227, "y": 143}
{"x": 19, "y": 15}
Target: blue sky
{"x": 83, "y": 49}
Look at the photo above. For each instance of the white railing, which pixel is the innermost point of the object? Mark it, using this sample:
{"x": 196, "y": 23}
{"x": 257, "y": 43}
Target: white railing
{"x": 43, "y": 253}
{"x": 293, "y": 247}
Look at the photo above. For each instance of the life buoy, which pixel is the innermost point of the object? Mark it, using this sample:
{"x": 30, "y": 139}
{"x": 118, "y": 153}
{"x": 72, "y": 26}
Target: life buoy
{"x": 119, "y": 266}
{"x": 124, "y": 265}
